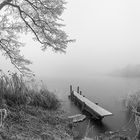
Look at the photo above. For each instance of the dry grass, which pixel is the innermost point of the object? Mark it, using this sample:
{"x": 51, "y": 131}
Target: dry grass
{"x": 35, "y": 123}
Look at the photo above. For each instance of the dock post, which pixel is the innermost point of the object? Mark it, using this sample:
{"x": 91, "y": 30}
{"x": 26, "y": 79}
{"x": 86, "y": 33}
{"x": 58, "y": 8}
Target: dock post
{"x": 70, "y": 89}
{"x": 83, "y": 106}
{"x": 71, "y": 93}
{"x": 80, "y": 92}
{"x": 78, "y": 89}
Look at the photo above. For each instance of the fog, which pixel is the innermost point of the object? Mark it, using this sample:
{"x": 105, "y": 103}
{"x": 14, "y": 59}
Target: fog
{"x": 107, "y": 34}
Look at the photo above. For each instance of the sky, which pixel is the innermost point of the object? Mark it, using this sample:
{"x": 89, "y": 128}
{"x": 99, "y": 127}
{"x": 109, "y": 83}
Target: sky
{"x": 107, "y": 34}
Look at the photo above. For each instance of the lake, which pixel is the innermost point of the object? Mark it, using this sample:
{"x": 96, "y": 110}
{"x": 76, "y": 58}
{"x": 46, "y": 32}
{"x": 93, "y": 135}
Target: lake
{"x": 108, "y": 91}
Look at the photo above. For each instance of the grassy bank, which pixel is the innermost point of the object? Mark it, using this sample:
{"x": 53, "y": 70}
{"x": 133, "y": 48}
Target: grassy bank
{"x": 33, "y": 113}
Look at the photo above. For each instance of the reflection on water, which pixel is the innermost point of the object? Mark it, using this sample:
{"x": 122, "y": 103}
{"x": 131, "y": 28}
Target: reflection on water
{"x": 99, "y": 126}
{"x": 108, "y": 92}
{"x": 89, "y": 128}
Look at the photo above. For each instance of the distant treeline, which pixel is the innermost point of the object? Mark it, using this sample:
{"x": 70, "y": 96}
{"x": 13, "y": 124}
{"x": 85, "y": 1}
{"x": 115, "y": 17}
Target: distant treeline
{"x": 128, "y": 71}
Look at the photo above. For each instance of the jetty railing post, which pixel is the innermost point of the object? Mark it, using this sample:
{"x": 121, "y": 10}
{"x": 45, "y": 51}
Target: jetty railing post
{"x": 71, "y": 93}
{"x": 70, "y": 89}
{"x": 83, "y": 106}
{"x": 78, "y": 89}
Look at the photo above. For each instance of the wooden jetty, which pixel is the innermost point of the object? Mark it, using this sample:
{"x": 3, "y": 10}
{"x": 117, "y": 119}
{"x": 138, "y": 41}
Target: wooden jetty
{"x": 93, "y": 108}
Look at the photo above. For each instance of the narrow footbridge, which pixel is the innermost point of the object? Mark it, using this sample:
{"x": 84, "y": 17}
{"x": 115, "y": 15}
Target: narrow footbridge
{"x": 93, "y": 108}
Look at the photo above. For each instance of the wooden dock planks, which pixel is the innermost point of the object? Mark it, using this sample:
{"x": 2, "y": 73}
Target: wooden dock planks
{"x": 92, "y": 106}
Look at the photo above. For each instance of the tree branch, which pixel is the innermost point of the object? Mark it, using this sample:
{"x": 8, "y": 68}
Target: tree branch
{"x": 4, "y": 3}
{"x": 40, "y": 17}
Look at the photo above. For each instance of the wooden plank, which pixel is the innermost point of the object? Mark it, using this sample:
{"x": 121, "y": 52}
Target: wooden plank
{"x": 77, "y": 118}
{"x": 96, "y": 108}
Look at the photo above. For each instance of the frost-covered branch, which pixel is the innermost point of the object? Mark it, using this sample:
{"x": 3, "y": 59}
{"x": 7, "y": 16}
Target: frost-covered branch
{"x": 40, "y": 17}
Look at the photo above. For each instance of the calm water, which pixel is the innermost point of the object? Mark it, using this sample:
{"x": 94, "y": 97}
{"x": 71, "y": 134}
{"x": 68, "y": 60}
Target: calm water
{"x": 109, "y": 92}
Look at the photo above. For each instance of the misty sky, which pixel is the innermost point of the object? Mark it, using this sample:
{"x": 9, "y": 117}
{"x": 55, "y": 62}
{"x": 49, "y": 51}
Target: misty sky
{"x": 107, "y": 34}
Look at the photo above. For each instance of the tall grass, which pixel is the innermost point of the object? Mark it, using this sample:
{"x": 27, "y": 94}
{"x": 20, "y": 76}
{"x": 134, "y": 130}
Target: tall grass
{"x": 133, "y": 101}
{"x": 133, "y": 105}
{"x": 16, "y": 92}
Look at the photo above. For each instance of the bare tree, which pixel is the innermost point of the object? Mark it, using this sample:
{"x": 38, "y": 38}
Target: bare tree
{"x": 40, "y": 17}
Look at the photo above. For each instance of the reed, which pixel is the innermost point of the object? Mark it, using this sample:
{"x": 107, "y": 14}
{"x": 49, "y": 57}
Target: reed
{"x": 132, "y": 101}
{"x": 16, "y": 92}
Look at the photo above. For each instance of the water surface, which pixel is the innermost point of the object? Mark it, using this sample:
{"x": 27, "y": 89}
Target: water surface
{"x": 108, "y": 91}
